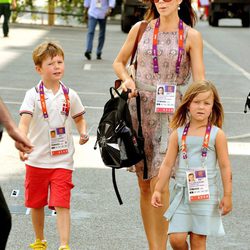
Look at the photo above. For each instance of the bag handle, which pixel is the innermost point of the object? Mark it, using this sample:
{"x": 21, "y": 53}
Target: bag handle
{"x": 140, "y": 32}
{"x": 140, "y": 134}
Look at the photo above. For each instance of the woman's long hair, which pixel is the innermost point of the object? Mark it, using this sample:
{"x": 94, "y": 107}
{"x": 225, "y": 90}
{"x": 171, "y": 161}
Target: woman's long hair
{"x": 181, "y": 116}
{"x": 186, "y": 12}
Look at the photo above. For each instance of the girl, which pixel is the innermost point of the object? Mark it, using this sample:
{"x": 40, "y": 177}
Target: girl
{"x": 177, "y": 51}
{"x": 199, "y": 142}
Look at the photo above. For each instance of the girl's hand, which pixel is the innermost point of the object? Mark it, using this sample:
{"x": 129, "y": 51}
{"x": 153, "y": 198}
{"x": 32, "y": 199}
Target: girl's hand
{"x": 129, "y": 84}
{"x": 156, "y": 199}
{"x": 83, "y": 139}
{"x": 23, "y": 156}
{"x": 226, "y": 205}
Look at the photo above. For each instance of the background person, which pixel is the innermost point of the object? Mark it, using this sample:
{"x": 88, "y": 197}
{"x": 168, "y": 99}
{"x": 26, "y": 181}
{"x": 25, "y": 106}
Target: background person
{"x": 22, "y": 143}
{"x": 197, "y": 125}
{"x": 49, "y": 106}
{"x": 5, "y": 10}
{"x": 163, "y": 16}
{"x": 98, "y": 11}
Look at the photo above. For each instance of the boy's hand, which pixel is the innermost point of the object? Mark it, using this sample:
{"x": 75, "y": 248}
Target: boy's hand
{"x": 226, "y": 205}
{"x": 23, "y": 156}
{"x": 83, "y": 139}
{"x": 156, "y": 199}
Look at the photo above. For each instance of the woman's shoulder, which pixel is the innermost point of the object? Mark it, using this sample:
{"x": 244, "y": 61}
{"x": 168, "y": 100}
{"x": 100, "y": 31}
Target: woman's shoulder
{"x": 193, "y": 34}
{"x": 194, "y": 38}
{"x": 138, "y": 24}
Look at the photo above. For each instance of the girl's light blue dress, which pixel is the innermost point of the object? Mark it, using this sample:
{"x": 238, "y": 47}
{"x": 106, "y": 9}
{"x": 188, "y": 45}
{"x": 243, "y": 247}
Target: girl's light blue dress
{"x": 199, "y": 217}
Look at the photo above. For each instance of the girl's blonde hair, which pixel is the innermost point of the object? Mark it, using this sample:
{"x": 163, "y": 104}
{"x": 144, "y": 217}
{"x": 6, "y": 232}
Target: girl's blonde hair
{"x": 45, "y": 50}
{"x": 180, "y": 117}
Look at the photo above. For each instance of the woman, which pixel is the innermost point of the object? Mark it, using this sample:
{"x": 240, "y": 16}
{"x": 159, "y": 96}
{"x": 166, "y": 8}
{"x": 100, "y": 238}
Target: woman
{"x": 167, "y": 52}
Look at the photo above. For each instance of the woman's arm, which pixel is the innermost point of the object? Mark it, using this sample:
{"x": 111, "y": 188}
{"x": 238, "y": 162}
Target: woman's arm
{"x": 123, "y": 56}
{"x": 225, "y": 169}
{"x": 194, "y": 47}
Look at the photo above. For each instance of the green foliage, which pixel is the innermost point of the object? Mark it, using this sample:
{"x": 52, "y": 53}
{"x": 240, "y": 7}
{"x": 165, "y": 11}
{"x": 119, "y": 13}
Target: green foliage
{"x": 73, "y": 7}
{"x": 64, "y": 8}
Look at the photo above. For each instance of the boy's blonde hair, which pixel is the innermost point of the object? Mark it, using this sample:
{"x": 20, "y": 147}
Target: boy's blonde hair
{"x": 45, "y": 50}
{"x": 180, "y": 117}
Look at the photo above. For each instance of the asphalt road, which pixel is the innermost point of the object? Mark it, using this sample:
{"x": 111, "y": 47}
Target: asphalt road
{"x": 98, "y": 222}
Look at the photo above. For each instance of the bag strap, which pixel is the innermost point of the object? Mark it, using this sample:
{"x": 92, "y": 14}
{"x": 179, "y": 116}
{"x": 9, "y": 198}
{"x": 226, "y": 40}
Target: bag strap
{"x": 140, "y": 32}
{"x": 140, "y": 134}
{"x": 116, "y": 188}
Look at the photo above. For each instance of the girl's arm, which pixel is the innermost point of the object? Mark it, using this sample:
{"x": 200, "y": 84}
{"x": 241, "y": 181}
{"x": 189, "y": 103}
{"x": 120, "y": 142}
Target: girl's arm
{"x": 226, "y": 173}
{"x": 195, "y": 49}
{"x": 24, "y": 125}
{"x": 123, "y": 56}
{"x": 165, "y": 169}
{"x": 81, "y": 128}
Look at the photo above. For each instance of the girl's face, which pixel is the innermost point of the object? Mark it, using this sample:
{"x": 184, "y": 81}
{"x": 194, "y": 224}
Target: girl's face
{"x": 52, "y": 69}
{"x": 165, "y": 8}
{"x": 201, "y": 106}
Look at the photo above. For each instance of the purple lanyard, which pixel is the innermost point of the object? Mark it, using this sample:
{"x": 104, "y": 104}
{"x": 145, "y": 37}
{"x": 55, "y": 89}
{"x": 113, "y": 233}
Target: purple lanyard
{"x": 43, "y": 102}
{"x": 204, "y": 144}
{"x": 180, "y": 46}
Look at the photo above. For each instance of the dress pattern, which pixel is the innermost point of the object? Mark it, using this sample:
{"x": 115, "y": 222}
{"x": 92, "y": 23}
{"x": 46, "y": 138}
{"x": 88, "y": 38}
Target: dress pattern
{"x": 151, "y": 121}
{"x": 200, "y": 217}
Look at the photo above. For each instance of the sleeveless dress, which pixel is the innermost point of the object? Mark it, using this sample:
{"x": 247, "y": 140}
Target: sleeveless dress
{"x": 152, "y": 123}
{"x": 200, "y": 217}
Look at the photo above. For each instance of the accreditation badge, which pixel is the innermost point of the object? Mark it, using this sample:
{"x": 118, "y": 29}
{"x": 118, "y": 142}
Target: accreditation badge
{"x": 197, "y": 183}
{"x": 165, "y": 98}
{"x": 58, "y": 141}
{"x": 98, "y": 4}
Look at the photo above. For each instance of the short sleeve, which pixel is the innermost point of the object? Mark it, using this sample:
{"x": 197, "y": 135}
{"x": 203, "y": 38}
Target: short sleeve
{"x": 76, "y": 107}
{"x": 28, "y": 104}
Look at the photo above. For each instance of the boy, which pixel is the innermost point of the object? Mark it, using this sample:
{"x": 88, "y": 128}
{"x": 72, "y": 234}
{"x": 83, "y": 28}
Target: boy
{"x": 46, "y": 114}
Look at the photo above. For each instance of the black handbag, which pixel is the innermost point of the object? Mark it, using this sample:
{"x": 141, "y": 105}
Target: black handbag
{"x": 120, "y": 145}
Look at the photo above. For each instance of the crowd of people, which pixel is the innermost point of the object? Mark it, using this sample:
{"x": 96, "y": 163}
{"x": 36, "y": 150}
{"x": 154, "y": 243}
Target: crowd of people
{"x": 184, "y": 141}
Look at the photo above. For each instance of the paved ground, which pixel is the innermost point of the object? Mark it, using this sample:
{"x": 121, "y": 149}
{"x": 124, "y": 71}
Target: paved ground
{"x": 98, "y": 222}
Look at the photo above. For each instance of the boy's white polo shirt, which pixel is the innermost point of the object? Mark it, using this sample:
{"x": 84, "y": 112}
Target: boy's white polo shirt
{"x": 39, "y": 127}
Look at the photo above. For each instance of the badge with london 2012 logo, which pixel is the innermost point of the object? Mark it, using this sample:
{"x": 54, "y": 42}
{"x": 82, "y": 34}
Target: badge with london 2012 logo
{"x": 58, "y": 141}
{"x": 197, "y": 183}
{"x": 165, "y": 98}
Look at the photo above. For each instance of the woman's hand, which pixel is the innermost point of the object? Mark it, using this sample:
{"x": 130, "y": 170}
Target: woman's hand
{"x": 129, "y": 85}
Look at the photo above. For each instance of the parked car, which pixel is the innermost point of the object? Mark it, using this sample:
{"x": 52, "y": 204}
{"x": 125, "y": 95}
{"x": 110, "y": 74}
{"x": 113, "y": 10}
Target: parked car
{"x": 229, "y": 9}
{"x": 132, "y": 11}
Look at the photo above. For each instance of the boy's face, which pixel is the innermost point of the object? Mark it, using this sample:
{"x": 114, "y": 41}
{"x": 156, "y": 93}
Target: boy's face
{"x": 52, "y": 69}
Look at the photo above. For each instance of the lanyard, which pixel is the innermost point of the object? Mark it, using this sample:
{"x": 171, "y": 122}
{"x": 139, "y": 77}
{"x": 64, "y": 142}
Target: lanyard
{"x": 180, "y": 46}
{"x": 43, "y": 102}
{"x": 204, "y": 145}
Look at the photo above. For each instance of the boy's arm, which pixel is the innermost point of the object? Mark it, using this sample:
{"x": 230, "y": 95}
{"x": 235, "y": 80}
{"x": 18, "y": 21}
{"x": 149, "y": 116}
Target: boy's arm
{"x": 21, "y": 142}
{"x": 24, "y": 125}
{"x": 81, "y": 127}
{"x": 225, "y": 169}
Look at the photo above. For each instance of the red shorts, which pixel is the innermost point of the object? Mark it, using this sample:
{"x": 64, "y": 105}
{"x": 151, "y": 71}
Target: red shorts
{"x": 41, "y": 183}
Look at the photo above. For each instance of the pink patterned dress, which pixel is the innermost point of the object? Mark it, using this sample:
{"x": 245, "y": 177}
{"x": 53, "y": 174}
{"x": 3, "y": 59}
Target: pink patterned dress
{"x": 155, "y": 126}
